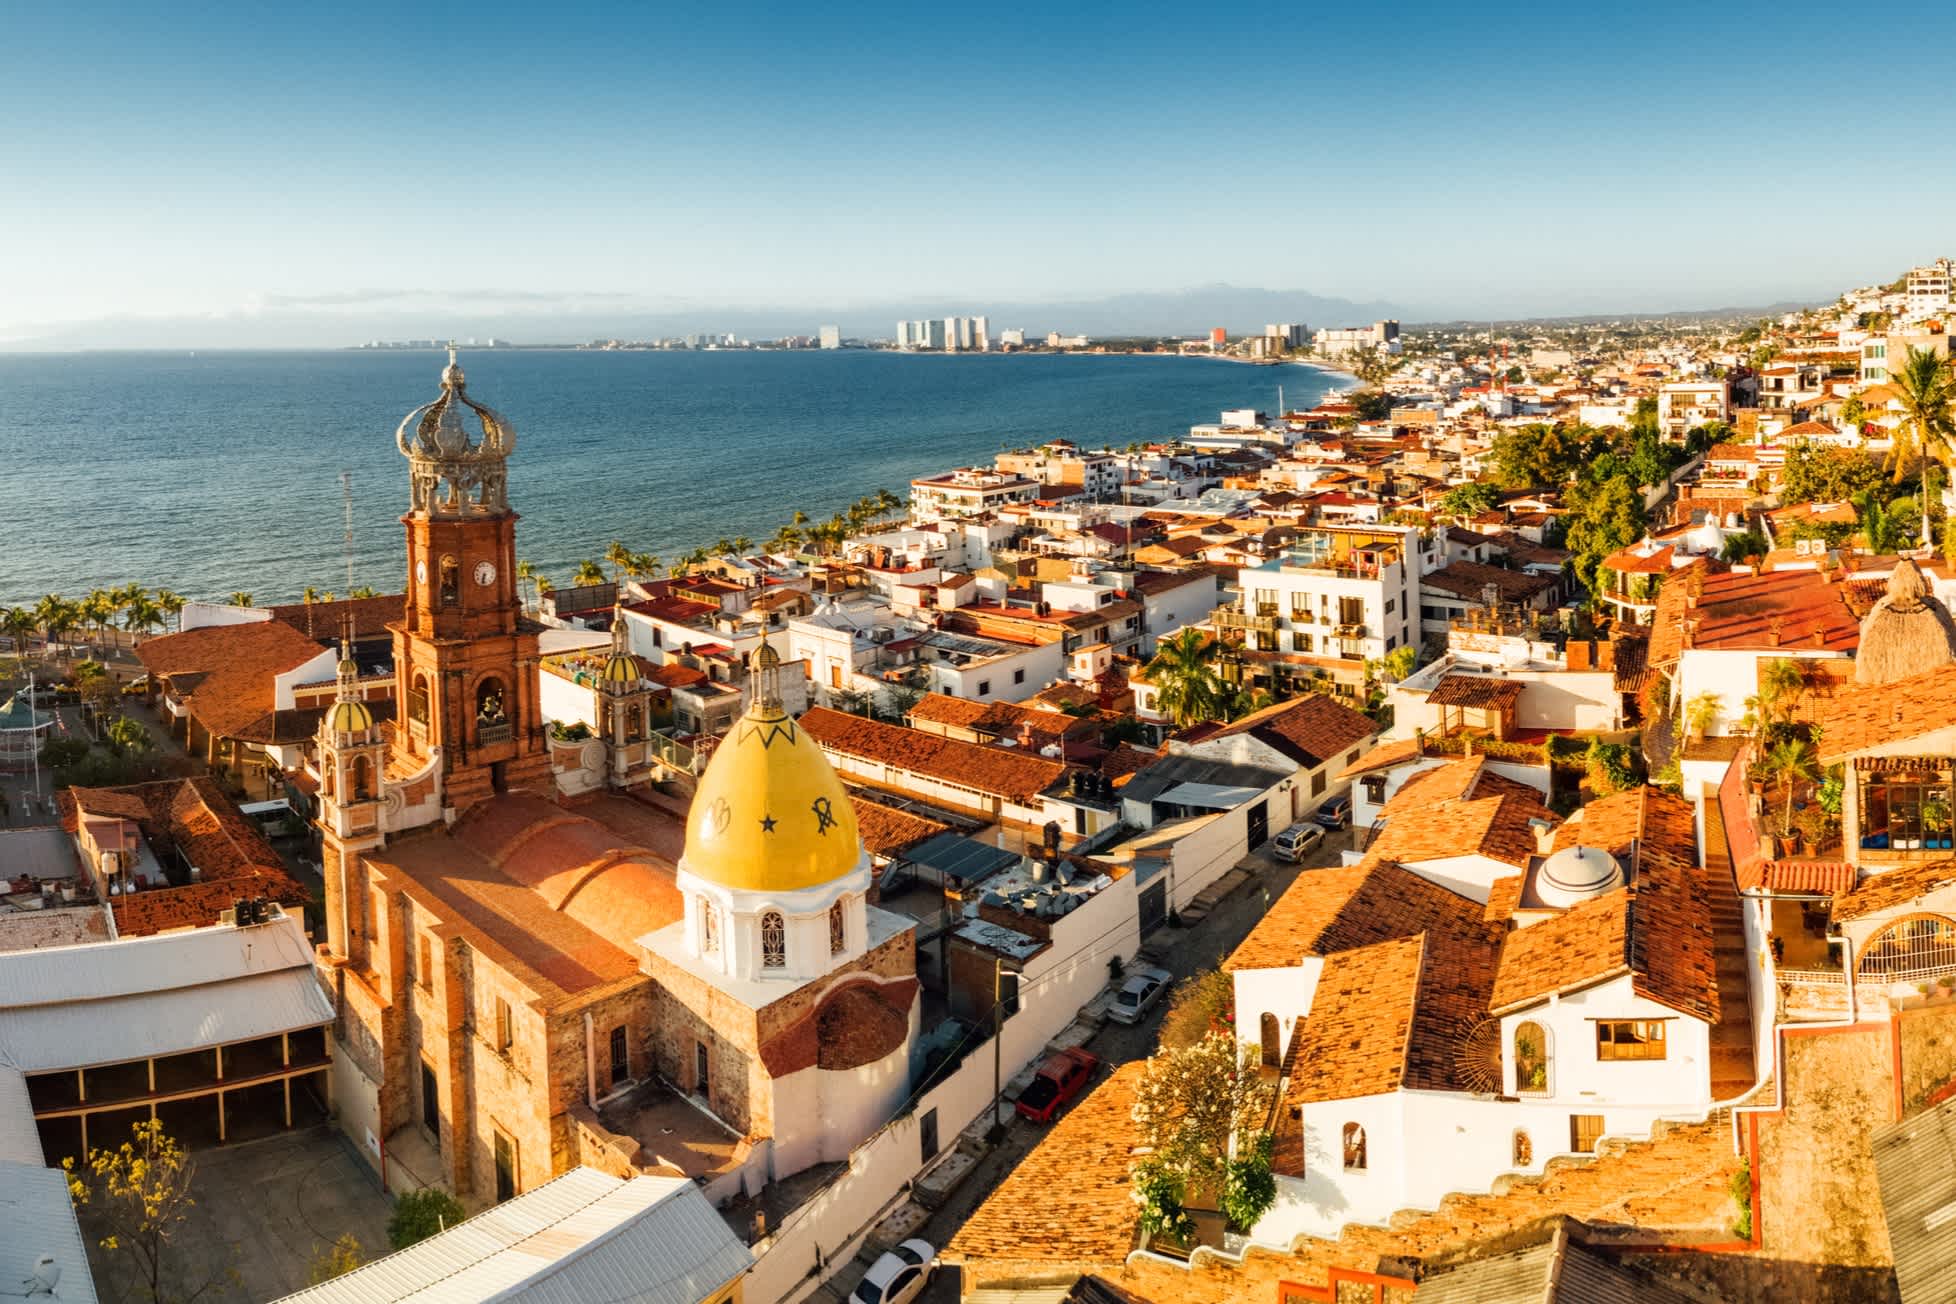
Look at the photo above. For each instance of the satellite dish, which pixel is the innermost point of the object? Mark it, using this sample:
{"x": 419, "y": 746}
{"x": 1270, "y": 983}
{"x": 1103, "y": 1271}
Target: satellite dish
{"x": 43, "y": 1280}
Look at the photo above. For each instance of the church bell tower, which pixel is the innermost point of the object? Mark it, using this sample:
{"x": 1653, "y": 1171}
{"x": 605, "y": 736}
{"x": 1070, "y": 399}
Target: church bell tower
{"x": 465, "y": 659}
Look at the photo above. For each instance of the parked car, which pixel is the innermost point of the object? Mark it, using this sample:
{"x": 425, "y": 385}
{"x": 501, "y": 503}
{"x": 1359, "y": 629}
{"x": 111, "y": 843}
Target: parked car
{"x": 1059, "y": 1079}
{"x": 1297, "y": 842}
{"x": 899, "y": 1276}
{"x": 1336, "y": 812}
{"x": 1141, "y": 990}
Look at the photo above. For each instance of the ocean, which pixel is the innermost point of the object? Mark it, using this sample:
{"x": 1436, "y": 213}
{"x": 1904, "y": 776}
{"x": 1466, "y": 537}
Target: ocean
{"x": 210, "y": 473}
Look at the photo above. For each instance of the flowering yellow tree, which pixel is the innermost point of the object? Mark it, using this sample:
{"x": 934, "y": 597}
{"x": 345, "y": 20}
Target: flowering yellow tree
{"x": 139, "y": 1196}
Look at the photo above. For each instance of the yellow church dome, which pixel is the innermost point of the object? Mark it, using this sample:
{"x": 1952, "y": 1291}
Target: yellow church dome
{"x": 349, "y": 717}
{"x": 770, "y": 814}
{"x": 620, "y": 669}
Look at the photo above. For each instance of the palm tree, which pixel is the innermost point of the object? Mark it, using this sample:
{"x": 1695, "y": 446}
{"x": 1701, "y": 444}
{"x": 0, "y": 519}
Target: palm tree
{"x": 1791, "y": 760}
{"x": 364, "y": 591}
{"x": 1701, "y": 713}
{"x": 526, "y": 576}
{"x": 1187, "y": 688}
{"x": 18, "y": 624}
{"x": 142, "y": 615}
{"x": 543, "y": 586}
{"x": 97, "y": 609}
{"x": 240, "y": 598}
{"x": 127, "y": 737}
{"x": 620, "y": 558}
{"x": 742, "y": 545}
{"x": 57, "y": 616}
{"x": 309, "y": 596}
{"x": 588, "y": 572}
{"x": 1248, "y": 701}
{"x": 1925, "y": 389}
{"x": 171, "y": 604}
{"x": 648, "y": 564}
{"x": 1780, "y": 687}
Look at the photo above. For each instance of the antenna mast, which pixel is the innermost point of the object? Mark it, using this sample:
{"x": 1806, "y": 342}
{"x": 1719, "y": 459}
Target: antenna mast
{"x": 346, "y": 541}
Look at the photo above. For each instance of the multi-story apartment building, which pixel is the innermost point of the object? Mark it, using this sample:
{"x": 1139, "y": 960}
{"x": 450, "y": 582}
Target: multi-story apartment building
{"x": 1062, "y": 463}
{"x": 1684, "y": 405}
{"x": 1334, "y": 599}
{"x": 1882, "y": 356}
{"x": 1928, "y": 289}
{"x": 968, "y": 491}
{"x": 1382, "y": 336}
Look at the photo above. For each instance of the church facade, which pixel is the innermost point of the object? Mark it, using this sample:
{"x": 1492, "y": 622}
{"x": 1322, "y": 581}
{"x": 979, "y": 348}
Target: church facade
{"x": 530, "y": 959}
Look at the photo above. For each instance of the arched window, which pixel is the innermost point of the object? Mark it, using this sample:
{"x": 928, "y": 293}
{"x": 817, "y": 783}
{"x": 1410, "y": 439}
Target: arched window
{"x": 418, "y": 700}
{"x": 1531, "y": 1057}
{"x": 1524, "y": 1149}
{"x": 362, "y": 779}
{"x": 709, "y": 927}
{"x": 1354, "y": 1148}
{"x": 774, "y": 941}
{"x": 1273, "y": 1040}
{"x": 1912, "y": 948}
{"x": 490, "y": 708}
{"x": 634, "y": 724}
{"x": 838, "y": 930}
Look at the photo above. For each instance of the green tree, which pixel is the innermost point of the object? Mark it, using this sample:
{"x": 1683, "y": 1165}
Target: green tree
{"x": 1608, "y": 517}
{"x": 1816, "y": 473}
{"x": 127, "y": 737}
{"x": 1925, "y": 388}
{"x": 240, "y": 598}
{"x": 1190, "y": 1105}
{"x": 1469, "y": 499}
{"x": 1200, "y": 1004}
{"x": 18, "y": 624}
{"x": 1370, "y": 404}
{"x": 588, "y": 572}
{"x": 1701, "y": 713}
{"x": 1791, "y": 760}
{"x": 1187, "y": 688}
{"x": 620, "y": 559}
{"x": 1643, "y": 419}
{"x": 421, "y": 1214}
{"x": 1881, "y": 532}
{"x": 1541, "y": 456}
{"x": 336, "y": 1260}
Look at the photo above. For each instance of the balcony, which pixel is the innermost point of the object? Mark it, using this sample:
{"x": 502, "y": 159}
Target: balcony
{"x": 1232, "y": 618}
{"x": 486, "y": 734}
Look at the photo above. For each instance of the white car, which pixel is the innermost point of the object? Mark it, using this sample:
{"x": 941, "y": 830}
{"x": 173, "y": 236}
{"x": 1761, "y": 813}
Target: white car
{"x": 1297, "y": 842}
{"x": 899, "y": 1276}
{"x": 1141, "y": 990}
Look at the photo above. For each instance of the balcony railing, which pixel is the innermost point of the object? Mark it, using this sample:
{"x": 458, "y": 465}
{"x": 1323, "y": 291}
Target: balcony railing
{"x": 486, "y": 734}
{"x": 1231, "y": 618}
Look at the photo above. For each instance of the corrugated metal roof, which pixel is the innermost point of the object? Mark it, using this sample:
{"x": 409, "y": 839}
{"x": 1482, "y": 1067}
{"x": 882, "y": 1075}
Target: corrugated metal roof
{"x": 1915, "y": 1164}
{"x": 583, "y": 1237}
{"x": 37, "y": 1218}
{"x": 100, "y": 970}
{"x": 39, "y": 1038}
{"x": 20, "y": 1139}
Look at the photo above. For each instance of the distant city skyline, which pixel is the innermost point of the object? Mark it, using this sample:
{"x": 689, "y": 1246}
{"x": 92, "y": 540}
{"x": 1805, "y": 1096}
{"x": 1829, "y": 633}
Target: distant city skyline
{"x": 215, "y": 175}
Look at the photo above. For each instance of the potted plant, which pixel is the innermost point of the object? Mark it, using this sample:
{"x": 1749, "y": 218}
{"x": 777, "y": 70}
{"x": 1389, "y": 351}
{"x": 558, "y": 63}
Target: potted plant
{"x": 1814, "y": 826}
{"x": 1935, "y": 822}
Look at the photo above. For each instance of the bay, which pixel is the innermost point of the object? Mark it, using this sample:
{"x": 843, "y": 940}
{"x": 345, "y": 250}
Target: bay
{"x": 213, "y": 472}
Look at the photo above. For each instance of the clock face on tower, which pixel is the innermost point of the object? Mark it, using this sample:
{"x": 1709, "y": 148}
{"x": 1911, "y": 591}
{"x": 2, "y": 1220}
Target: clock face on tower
{"x": 421, "y": 571}
{"x": 485, "y": 573}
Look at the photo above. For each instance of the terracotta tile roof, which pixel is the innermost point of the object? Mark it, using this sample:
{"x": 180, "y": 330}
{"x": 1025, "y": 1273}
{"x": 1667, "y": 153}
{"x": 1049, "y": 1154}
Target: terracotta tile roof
{"x": 1632, "y": 658}
{"x": 1000, "y": 719}
{"x": 1124, "y": 760}
{"x": 1874, "y": 715}
{"x": 323, "y": 621}
{"x": 1741, "y": 611}
{"x": 1460, "y": 809}
{"x": 1353, "y": 1042}
{"x": 1893, "y": 887}
{"x": 233, "y": 666}
{"x": 1068, "y": 1201}
{"x": 1467, "y": 579}
{"x": 1310, "y": 730}
{"x": 995, "y": 771}
{"x": 887, "y": 831}
{"x": 1658, "y": 930}
{"x": 1503, "y": 896}
{"x": 1383, "y": 757}
{"x": 1612, "y": 823}
{"x": 192, "y": 817}
{"x": 1478, "y": 692}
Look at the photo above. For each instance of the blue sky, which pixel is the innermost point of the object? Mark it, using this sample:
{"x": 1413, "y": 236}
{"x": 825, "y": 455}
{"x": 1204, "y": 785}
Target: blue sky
{"x": 216, "y": 162}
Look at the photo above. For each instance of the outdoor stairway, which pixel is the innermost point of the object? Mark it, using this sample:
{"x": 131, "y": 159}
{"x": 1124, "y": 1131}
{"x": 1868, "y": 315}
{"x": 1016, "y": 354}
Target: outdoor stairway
{"x": 1732, "y": 1068}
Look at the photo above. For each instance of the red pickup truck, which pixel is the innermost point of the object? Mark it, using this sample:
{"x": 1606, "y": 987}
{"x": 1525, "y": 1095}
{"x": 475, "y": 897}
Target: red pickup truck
{"x": 1060, "y": 1078}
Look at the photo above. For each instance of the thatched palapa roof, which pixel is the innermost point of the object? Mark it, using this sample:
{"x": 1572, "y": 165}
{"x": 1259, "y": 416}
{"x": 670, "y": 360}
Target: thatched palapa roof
{"x": 1906, "y": 632}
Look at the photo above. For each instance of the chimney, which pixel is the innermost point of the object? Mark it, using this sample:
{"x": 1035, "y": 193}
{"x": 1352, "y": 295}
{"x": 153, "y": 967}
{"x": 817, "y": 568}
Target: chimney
{"x": 1608, "y": 660}
{"x": 1690, "y": 629}
{"x": 1578, "y": 654}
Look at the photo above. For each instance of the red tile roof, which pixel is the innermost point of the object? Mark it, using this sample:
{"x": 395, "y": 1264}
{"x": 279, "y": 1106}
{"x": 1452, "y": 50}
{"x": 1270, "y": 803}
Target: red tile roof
{"x": 227, "y": 672}
{"x": 994, "y": 771}
{"x": 1310, "y": 730}
{"x": 1742, "y": 611}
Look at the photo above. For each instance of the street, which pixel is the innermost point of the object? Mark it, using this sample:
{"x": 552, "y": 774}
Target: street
{"x": 1181, "y": 951}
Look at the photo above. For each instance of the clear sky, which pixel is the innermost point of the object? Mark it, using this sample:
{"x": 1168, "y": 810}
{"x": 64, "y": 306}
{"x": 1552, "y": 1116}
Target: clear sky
{"x": 202, "y": 161}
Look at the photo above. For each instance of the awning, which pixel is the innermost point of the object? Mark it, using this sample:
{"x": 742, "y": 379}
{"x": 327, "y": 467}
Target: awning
{"x": 1209, "y": 796}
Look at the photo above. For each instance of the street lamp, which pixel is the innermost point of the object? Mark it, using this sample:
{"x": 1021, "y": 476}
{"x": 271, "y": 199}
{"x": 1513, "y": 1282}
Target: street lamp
{"x": 999, "y": 971}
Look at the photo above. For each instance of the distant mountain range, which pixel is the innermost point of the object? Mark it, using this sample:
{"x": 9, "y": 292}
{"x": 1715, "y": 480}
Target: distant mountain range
{"x": 345, "y": 320}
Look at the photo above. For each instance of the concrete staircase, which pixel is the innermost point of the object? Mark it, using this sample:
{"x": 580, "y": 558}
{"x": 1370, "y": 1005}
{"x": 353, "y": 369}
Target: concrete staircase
{"x": 1732, "y": 1068}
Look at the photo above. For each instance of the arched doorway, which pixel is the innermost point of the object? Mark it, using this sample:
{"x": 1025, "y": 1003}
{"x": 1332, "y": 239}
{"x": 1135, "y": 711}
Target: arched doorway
{"x": 1273, "y": 1040}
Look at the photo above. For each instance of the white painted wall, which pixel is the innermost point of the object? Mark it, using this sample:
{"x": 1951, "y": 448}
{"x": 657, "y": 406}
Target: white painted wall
{"x": 323, "y": 666}
{"x": 565, "y": 702}
{"x": 1580, "y": 1081}
{"x": 1470, "y": 876}
{"x": 197, "y": 615}
{"x": 1731, "y": 677}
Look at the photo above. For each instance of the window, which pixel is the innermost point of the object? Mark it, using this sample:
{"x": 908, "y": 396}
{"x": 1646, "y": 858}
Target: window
{"x": 621, "y": 1055}
{"x": 430, "y": 1103}
{"x": 1524, "y": 1149}
{"x": 1904, "y": 811}
{"x": 1531, "y": 1057}
{"x": 1317, "y": 784}
{"x": 709, "y": 928}
{"x": 1630, "y": 1039}
{"x": 1019, "y": 675}
{"x": 927, "y": 1135}
{"x": 424, "y": 962}
{"x": 1273, "y": 1040}
{"x": 363, "y": 779}
{"x": 838, "y": 930}
{"x": 505, "y": 1166}
{"x": 1584, "y": 1129}
{"x": 984, "y": 688}
{"x": 1375, "y": 788}
{"x": 418, "y": 700}
{"x": 1392, "y": 605}
{"x": 505, "y": 1032}
{"x": 774, "y": 941}
{"x": 1354, "y": 1148}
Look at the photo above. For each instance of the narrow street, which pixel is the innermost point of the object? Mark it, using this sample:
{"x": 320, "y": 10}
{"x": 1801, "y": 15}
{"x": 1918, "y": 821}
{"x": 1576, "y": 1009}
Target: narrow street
{"x": 1181, "y": 951}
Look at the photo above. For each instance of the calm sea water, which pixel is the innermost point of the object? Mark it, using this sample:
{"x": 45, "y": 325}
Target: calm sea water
{"x": 216, "y": 472}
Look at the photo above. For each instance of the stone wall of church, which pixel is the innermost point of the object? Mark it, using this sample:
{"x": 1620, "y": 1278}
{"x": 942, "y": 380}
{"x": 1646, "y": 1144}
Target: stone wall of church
{"x": 895, "y": 958}
{"x": 687, "y": 1013}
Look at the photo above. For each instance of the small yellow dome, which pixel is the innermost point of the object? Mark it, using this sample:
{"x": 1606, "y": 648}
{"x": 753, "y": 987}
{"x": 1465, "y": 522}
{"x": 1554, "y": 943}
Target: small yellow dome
{"x": 770, "y": 814}
{"x": 621, "y": 669}
{"x": 349, "y": 717}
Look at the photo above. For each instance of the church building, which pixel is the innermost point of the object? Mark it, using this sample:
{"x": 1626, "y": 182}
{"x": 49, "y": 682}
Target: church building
{"x": 539, "y": 959}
